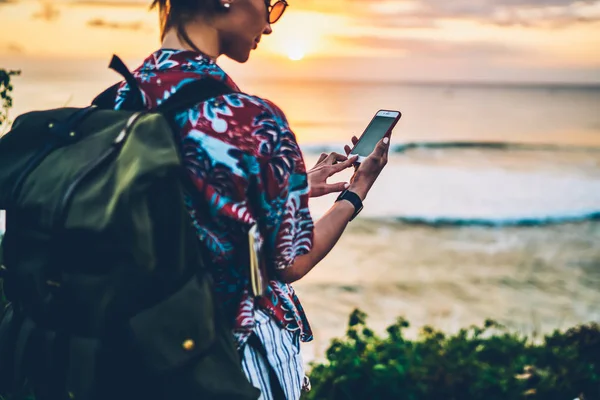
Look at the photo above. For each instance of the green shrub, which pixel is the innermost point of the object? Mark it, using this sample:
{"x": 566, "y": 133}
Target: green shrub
{"x": 6, "y": 100}
{"x": 486, "y": 362}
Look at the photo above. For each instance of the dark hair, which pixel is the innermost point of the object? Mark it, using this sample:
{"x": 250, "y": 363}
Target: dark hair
{"x": 176, "y": 13}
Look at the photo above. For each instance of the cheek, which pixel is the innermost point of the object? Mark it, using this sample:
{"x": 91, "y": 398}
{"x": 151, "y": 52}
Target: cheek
{"x": 257, "y": 18}
{"x": 249, "y": 23}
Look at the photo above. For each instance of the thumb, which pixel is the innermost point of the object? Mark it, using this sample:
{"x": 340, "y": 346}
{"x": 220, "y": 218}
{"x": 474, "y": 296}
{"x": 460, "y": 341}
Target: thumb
{"x": 339, "y": 167}
{"x": 335, "y": 187}
{"x": 382, "y": 147}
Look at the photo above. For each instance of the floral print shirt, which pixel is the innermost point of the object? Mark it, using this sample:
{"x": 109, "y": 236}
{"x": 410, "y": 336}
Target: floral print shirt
{"x": 225, "y": 142}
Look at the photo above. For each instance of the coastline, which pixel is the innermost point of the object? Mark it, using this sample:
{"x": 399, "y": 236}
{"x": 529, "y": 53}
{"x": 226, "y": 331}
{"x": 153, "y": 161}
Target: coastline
{"x": 531, "y": 279}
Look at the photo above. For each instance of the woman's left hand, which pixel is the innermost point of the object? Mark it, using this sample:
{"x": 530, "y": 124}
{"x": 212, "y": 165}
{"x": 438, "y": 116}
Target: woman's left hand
{"x": 327, "y": 166}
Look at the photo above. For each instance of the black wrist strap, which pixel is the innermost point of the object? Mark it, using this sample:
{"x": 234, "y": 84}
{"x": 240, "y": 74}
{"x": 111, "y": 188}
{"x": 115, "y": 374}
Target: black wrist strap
{"x": 354, "y": 199}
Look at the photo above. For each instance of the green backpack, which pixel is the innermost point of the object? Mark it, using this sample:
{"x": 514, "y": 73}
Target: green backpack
{"x": 108, "y": 294}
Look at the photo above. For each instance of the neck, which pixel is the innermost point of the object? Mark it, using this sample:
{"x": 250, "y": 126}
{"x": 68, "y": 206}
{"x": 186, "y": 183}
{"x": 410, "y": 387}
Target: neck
{"x": 204, "y": 37}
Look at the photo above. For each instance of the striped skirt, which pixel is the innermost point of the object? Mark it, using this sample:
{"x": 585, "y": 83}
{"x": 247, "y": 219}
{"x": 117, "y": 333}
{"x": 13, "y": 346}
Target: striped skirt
{"x": 282, "y": 350}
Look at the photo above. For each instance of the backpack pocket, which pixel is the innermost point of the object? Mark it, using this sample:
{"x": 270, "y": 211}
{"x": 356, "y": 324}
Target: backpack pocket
{"x": 173, "y": 332}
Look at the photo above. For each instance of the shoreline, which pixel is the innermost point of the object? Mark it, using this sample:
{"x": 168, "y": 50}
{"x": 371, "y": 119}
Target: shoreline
{"x": 532, "y": 279}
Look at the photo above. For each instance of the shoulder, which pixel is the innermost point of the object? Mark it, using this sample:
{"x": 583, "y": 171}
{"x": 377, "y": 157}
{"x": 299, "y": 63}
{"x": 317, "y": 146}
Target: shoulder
{"x": 249, "y": 122}
{"x": 258, "y": 105}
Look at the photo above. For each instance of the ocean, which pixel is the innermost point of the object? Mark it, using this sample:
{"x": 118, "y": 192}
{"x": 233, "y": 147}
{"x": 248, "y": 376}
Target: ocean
{"x": 489, "y": 206}
{"x": 462, "y": 153}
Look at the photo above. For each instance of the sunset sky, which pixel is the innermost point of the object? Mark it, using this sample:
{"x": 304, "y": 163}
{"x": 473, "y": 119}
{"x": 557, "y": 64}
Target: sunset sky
{"x": 490, "y": 40}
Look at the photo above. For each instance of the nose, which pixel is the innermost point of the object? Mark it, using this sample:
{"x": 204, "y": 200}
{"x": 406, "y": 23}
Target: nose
{"x": 268, "y": 30}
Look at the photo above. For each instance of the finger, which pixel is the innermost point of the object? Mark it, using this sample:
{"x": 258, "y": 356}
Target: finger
{"x": 347, "y": 148}
{"x": 336, "y": 187}
{"x": 322, "y": 157}
{"x": 343, "y": 165}
{"x": 339, "y": 157}
{"x": 334, "y": 157}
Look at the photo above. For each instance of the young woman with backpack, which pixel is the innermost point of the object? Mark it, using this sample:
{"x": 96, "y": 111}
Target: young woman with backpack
{"x": 247, "y": 168}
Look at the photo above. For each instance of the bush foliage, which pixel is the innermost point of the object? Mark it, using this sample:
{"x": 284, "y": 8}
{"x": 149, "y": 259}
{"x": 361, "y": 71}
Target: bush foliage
{"x": 485, "y": 362}
{"x": 6, "y": 100}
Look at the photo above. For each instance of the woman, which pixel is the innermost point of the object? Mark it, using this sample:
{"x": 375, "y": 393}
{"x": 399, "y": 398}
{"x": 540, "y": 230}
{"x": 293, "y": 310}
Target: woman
{"x": 232, "y": 144}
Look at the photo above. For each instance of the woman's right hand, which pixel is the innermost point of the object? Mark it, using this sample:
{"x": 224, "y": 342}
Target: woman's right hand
{"x": 368, "y": 171}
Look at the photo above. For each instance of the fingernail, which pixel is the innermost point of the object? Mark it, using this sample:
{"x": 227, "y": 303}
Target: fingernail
{"x": 346, "y": 185}
{"x": 386, "y": 140}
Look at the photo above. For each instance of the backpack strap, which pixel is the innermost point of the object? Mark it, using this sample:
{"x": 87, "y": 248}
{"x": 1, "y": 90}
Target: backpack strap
{"x": 185, "y": 97}
{"x": 135, "y": 97}
{"x": 193, "y": 93}
{"x": 106, "y": 99}
{"x": 134, "y": 100}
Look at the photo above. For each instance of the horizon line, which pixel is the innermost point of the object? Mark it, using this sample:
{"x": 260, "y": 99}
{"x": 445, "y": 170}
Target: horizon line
{"x": 432, "y": 82}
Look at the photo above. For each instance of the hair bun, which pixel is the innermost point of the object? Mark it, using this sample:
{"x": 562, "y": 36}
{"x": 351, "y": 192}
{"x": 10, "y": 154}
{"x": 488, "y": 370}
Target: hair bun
{"x": 188, "y": 5}
{"x": 174, "y": 13}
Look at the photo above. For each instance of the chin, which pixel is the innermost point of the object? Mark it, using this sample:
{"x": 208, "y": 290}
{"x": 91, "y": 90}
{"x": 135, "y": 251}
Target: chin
{"x": 241, "y": 56}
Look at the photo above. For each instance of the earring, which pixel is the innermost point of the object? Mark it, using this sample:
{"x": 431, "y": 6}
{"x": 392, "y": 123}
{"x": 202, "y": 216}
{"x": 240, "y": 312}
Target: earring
{"x": 226, "y": 5}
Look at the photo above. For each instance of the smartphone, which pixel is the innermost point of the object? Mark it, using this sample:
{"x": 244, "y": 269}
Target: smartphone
{"x": 380, "y": 126}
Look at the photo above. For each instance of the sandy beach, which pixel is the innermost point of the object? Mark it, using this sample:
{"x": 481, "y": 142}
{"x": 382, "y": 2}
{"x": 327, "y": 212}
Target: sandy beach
{"x": 531, "y": 279}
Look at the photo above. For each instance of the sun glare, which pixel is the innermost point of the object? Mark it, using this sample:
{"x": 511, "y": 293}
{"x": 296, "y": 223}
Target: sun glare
{"x": 295, "y": 54}
{"x": 293, "y": 42}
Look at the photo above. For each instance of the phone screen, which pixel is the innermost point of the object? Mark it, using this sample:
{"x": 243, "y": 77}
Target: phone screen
{"x": 373, "y": 134}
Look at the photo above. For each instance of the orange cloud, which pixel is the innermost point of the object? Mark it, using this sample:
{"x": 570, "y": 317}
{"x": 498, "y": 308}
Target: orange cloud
{"x": 47, "y": 12}
{"x": 101, "y": 23}
{"x": 530, "y": 13}
{"x": 15, "y": 48}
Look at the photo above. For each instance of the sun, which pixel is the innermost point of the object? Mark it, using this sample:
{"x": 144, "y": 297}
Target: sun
{"x": 296, "y": 54}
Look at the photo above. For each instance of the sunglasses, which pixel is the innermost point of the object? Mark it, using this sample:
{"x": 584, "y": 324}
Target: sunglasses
{"x": 275, "y": 11}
